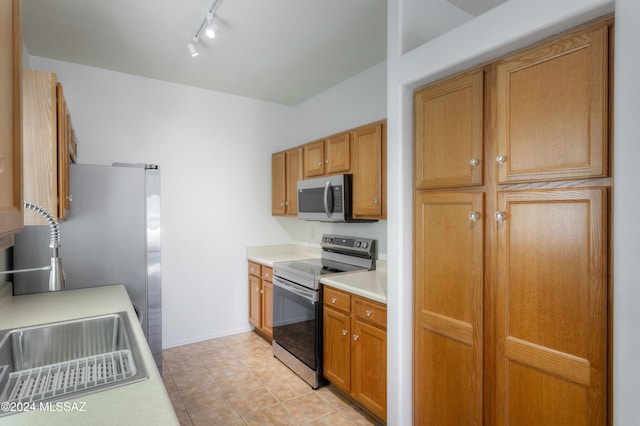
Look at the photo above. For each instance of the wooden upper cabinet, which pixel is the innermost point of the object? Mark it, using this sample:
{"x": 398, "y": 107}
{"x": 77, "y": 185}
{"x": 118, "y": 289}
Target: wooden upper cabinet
{"x": 552, "y": 301}
{"x": 337, "y": 154}
{"x": 552, "y": 109}
{"x": 449, "y": 132}
{"x": 328, "y": 156}
{"x": 11, "y": 211}
{"x": 49, "y": 145}
{"x": 286, "y": 171}
{"x": 369, "y": 171}
{"x": 278, "y": 184}
{"x": 314, "y": 159}
{"x": 294, "y": 174}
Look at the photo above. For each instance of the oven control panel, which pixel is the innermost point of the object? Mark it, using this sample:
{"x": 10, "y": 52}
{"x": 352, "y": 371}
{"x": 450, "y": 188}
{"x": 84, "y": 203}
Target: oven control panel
{"x": 339, "y": 243}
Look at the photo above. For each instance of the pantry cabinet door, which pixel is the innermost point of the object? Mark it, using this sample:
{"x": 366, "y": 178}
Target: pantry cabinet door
{"x": 448, "y": 308}
{"x": 551, "y": 315}
{"x": 449, "y": 132}
{"x": 552, "y": 110}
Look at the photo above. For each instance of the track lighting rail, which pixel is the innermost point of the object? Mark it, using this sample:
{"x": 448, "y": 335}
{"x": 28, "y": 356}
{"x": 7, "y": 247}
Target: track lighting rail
{"x": 208, "y": 26}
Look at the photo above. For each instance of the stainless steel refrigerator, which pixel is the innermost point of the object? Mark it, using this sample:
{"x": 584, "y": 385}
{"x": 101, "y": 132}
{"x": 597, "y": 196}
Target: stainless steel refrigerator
{"x": 112, "y": 236}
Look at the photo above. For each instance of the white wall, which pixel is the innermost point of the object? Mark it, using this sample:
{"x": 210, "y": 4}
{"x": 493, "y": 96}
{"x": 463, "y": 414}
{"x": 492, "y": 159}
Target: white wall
{"x": 626, "y": 228}
{"x": 359, "y": 100}
{"x": 509, "y": 26}
{"x": 214, "y": 152}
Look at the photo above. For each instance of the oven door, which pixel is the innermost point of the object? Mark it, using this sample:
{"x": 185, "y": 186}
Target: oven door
{"x": 297, "y": 321}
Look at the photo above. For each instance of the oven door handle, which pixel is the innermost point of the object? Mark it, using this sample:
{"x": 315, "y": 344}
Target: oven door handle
{"x": 310, "y": 295}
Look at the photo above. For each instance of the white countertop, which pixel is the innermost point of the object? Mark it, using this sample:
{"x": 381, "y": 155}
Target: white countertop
{"x": 141, "y": 403}
{"x": 369, "y": 284}
{"x": 268, "y": 255}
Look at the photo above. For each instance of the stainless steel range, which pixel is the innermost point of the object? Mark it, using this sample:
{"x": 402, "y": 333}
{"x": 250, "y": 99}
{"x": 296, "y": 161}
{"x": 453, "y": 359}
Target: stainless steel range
{"x": 297, "y": 301}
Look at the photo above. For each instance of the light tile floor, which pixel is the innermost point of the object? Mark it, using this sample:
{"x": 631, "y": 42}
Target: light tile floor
{"x": 235, "y": 380}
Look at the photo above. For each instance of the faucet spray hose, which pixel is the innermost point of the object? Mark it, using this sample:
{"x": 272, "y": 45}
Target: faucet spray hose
{"x": 54, "y": 241}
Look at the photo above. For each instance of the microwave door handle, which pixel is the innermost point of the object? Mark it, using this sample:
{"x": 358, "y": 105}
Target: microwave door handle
{"x": 326, "y": 198}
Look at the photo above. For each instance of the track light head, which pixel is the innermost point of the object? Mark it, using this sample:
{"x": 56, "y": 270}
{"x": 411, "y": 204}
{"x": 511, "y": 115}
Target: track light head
{"x": 211, "y": 28}
{"x": 208, "y": 26}
{"x": 193, "y": 47}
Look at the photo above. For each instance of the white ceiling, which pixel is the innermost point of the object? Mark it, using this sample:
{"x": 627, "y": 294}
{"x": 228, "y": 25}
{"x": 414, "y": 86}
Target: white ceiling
{"x": 283, "y": 51}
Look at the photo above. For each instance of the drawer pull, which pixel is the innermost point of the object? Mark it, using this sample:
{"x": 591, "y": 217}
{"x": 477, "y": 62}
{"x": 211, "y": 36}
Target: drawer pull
{"x": 344, "y": 332}
{"x": 334, "y": 300}
{"x": 368, "y": 312}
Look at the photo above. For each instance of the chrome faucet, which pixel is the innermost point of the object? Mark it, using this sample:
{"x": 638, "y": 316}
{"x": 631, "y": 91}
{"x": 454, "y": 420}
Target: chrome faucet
{"x": 56, "y": 277}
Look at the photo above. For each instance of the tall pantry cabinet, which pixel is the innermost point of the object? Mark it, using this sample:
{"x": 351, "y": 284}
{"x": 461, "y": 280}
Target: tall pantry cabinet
{"x": 511, "y": 206}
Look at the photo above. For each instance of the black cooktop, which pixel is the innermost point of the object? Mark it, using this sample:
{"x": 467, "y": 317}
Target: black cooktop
{"x": 319, "y": 267}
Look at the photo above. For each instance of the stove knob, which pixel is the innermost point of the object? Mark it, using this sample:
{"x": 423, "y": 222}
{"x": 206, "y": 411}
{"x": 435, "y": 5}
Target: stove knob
{"x": 357, "y": 244}
{"x": 329, "y": 239}
{"x": 365, "y": 245}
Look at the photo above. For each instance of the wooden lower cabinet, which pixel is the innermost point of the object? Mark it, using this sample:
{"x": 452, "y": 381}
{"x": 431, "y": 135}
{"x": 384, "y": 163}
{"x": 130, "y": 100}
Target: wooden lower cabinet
{"x": 355, "y": 348}
{"x": 261, "y": 298}
{"x": 337, "y": 348}
{"x": 255, "y": 301}
{"x": 267, "y": 302}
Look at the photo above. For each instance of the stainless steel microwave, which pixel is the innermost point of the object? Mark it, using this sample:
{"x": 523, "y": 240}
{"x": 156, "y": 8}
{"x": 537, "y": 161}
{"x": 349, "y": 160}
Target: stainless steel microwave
{"x": 326, "y": 199}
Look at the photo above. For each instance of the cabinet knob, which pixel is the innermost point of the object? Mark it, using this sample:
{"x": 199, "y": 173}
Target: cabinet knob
{"x": 368, "y": 312}
{"x": 500, "y": 159}
{"x": 319, "y": 163}
{"x": 257, "y": 288}
{"x": 286, "y": 203}
{"x": 500, "y": 216}
{"x": 375, "y": 200}
{"x": 356, "y": 337}
{"x": 70, "y": 197}
{"x": 473, "y": 216}
{"x": 344, "y": 332}
{"x": 326, "y": 161}
{"x": 474, "y": 162}
{"x": 261, "y": 291}
{"x": 281, "y": 204}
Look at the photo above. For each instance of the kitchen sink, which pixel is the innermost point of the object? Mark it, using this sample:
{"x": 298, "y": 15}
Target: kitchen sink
{"x": 68, "y": 359}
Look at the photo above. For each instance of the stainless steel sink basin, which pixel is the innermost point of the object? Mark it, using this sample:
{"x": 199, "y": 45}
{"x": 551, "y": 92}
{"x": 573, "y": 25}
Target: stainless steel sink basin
{"x": 64, "y": 360}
